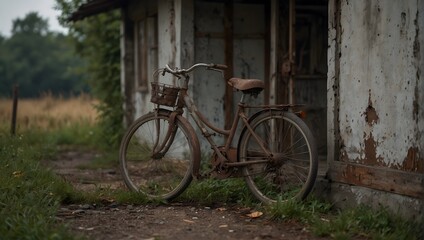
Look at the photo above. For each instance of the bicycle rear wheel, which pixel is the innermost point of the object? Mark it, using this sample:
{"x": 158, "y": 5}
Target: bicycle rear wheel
{"x": 155, "y": 159}
{"x": 292, "y": 169}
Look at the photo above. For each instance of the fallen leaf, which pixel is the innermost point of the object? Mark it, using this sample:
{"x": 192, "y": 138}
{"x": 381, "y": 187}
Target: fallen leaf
{"x": 255, "y": 214}
{"x": 188, "y": 221}
{"x": 87, "y": 229}
{"x": 223, "y": 226}
{"x": 17, "y": 174}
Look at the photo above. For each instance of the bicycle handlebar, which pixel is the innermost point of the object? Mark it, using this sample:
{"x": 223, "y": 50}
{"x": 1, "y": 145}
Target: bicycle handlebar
{"x": 182, "y": 71}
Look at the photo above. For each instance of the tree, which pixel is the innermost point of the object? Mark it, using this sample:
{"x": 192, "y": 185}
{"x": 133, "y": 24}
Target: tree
{"x": 97, "y": 39}
{"x": 38, "y": 60}
{"x": 31, "y": 24}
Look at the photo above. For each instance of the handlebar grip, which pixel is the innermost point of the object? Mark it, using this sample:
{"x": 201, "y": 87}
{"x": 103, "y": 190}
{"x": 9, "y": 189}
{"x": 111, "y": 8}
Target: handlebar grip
{"x": 220, "y": 66}
{"x": 168, "y": 69}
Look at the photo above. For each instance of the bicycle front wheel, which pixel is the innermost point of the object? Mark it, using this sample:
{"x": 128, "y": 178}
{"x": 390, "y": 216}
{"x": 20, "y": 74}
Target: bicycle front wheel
{"x": 156, "y": 157}
{"x": 291, "y": 170}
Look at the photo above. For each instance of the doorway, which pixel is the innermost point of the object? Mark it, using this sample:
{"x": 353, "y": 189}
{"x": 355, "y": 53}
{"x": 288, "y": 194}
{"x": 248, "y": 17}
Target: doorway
{"x": 302, "y": 61}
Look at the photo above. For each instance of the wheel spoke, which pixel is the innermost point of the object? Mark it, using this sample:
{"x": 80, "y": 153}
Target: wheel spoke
{"x": 293, "y": 170}
{"x": 163, "y": 174}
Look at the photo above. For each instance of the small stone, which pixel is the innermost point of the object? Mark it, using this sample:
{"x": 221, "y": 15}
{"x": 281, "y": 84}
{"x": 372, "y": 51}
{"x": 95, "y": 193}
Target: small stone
{"x": 113, "y": 205}
{"x": 86, "y": 206}
{"x": 78, "y": 211}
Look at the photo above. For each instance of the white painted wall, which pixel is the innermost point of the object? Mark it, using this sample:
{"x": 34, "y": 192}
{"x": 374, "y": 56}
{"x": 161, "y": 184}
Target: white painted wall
{"x": 175, "y": 44}
{"x": 381, "y": 51}
{"x": 167, "y": 31}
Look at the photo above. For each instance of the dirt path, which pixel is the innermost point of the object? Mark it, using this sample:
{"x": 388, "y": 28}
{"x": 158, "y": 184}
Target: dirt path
{"x": 172, "y": 221}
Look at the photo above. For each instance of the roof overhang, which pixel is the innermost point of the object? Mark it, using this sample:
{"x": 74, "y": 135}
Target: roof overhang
{"x": 94, "y": 7}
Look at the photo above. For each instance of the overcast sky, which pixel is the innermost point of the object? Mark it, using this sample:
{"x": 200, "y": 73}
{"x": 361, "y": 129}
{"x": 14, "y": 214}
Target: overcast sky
{"x": 12, "y": 9}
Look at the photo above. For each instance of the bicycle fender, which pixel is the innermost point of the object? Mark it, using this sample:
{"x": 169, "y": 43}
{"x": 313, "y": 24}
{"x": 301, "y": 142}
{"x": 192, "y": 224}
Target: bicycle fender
{"x": 193, "y": 139}
{"x": 195, "y": 145}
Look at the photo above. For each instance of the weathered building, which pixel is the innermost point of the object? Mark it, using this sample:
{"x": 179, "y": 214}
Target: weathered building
{"x": 375, "y": 102}
{"x": 355, "y": 64}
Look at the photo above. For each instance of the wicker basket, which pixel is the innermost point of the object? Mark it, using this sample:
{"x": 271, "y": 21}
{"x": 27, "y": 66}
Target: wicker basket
{"x": 164, "y": 94}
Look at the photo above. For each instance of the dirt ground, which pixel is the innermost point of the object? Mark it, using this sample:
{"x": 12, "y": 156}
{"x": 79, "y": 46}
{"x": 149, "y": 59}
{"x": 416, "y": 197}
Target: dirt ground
{"x": 173, "y": 221}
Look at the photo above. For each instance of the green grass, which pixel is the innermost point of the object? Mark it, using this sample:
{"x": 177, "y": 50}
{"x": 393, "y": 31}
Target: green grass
{"x": 30, "y": 194}
{"x": 305, "y": 212}
{"x": 360, "y": 222}
{"x": 213, "y": 191}
{"x": 372, "y": 224}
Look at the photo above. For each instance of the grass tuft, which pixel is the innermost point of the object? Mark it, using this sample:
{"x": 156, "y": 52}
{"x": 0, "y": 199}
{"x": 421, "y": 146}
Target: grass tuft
{"x": 306, "y": 212}
{"x": 365, "y": 222}
{"x": 30, "y": 193}
{"x": 213, "y": 191}
{"x": 359, "y": 222}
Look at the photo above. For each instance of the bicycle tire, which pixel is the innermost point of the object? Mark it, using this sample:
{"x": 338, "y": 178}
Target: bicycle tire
{"x": 293, "y": 171}
{"x": 163, "y": 175}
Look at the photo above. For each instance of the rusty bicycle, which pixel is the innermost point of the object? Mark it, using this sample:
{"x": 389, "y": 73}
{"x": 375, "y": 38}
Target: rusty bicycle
{"x": 275, "y": 153}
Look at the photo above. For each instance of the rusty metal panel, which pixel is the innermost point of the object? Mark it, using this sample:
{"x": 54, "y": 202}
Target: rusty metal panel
{"x": 381, "y": 111}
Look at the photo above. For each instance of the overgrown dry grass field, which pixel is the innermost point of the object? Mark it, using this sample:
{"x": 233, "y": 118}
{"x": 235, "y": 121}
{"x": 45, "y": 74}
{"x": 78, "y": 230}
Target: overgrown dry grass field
{"x": 49, "y": 112}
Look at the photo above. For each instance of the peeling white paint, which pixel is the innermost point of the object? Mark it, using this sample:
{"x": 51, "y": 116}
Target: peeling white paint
{"x": 378, "y": 68}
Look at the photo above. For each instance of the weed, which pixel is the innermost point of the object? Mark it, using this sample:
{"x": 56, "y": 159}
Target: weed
{"x": 30, "y": 195}
{"x": 212, "y": 191}
{"x": 305, "y": 212}
{"x": 365, "y": 222}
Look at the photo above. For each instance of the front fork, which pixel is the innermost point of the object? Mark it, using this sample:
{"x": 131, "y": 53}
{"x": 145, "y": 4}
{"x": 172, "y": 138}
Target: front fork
{"x": 160, "y": 150}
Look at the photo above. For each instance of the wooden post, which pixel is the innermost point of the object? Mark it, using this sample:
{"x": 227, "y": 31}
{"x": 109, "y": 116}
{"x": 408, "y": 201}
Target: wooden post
{"x": 14, "y": 110}
{"x": 272, "y": 76}
{"x": 229, "y": 48}
{"x": 292, "y": 49}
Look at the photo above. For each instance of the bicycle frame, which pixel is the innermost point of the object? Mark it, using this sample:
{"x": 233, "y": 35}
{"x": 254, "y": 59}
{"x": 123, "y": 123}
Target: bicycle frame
{"x": 185, "y": 101}
{"x": 275, "y": 153}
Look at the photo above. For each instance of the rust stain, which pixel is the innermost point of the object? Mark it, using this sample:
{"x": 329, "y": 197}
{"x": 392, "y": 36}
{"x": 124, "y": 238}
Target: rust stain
{"x": 370, "y": 151}
{"x": 370, "y": 113}
{"x": 358, "y": 176}
{"x": 413, "y": 161}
